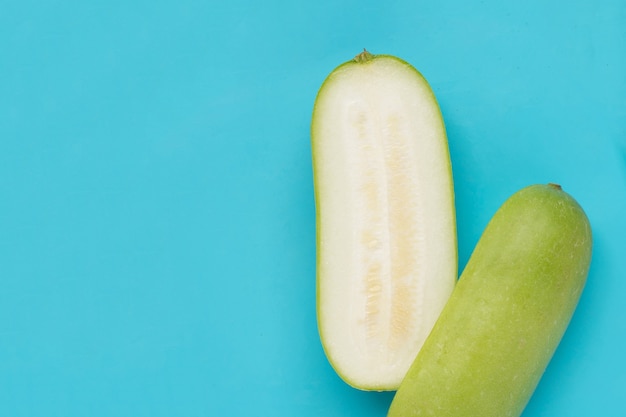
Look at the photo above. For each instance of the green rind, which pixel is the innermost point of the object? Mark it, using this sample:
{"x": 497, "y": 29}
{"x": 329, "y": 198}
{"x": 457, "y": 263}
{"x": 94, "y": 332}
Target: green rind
{"x": 508, "y": 313}
{"x": 366, "y": 58}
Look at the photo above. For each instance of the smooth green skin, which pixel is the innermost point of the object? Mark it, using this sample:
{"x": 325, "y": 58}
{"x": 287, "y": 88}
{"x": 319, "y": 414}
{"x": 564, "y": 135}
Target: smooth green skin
{"x": 506, "y": 316}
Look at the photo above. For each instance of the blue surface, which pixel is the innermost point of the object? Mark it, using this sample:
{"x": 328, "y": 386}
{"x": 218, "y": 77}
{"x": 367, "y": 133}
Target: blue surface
{"x": 157, "y": 236}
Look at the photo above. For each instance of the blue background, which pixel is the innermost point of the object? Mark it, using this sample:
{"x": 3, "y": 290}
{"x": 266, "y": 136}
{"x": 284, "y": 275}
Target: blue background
{"x": 157, "y": 233}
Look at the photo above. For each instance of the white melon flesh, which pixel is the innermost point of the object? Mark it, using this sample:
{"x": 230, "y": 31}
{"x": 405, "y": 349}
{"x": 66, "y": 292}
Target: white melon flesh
{"x": 387, "y": 257}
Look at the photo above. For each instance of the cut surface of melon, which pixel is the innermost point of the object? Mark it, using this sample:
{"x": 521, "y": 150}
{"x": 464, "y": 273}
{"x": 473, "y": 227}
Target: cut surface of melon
{"x": 386, "y": 242}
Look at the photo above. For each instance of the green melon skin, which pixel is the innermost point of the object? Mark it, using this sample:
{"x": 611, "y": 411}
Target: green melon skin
{"x": 506, "y": 316}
